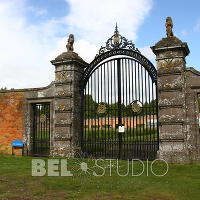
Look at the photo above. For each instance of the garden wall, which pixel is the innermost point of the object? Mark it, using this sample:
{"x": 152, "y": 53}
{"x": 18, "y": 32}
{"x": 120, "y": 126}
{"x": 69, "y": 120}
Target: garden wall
{"x": 11, "y": 119}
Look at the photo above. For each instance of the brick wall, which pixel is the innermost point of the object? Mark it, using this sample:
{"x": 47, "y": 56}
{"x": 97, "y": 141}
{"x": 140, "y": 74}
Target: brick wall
{"x": 11, "y": 119}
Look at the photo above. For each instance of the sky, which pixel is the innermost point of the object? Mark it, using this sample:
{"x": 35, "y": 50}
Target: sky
{"x": 34, "y": 32}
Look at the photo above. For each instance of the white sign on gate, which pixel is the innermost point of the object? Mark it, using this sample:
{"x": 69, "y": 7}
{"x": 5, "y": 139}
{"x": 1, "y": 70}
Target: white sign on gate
{"x": 121, "y": 128}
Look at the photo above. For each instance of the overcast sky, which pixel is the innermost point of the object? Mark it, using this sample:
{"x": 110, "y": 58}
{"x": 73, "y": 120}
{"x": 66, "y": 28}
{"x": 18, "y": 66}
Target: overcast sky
{"x": 34, "y": 32}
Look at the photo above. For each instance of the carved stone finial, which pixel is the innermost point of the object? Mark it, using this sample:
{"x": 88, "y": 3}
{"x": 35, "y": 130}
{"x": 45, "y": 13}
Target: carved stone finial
{"x": 70, "y": 43}
{"x": 169, "y": 26}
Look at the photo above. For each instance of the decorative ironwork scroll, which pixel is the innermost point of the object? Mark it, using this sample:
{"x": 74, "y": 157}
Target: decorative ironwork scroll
{"x": 117, "y": 42}
{"x": 118, "y": 45}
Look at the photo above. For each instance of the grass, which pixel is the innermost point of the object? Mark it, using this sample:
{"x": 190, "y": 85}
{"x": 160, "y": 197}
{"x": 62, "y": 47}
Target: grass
{"x": 110, "y": 134}
{"x": 16, "y": 182}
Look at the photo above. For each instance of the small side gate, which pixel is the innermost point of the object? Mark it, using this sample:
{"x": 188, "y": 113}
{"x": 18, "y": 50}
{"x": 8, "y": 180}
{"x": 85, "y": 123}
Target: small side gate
{"x": 41, "y": 129}
{"x": 120, "y": 103}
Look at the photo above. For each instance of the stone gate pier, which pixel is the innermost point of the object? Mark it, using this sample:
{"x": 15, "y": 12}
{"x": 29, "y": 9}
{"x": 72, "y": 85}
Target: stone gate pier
{"x": 178, "y": 111}
{"x": 69, "y": 68}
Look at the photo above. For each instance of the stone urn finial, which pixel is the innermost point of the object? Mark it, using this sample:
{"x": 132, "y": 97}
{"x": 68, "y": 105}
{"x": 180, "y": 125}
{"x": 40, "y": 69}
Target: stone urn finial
{"x": 169, "y": 26}
{"x": 70, "y": 43}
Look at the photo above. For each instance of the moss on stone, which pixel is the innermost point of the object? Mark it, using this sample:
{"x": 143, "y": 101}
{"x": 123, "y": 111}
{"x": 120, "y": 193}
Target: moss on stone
{"x": 169, "y": 41}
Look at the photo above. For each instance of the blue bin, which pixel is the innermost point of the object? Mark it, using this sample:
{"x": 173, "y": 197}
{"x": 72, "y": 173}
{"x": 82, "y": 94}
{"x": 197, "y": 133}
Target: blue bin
{"x": 17, "y": 144}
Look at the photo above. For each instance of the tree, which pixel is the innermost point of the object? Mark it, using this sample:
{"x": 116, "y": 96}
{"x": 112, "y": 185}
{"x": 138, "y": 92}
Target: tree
{"x": 90, "y": 106}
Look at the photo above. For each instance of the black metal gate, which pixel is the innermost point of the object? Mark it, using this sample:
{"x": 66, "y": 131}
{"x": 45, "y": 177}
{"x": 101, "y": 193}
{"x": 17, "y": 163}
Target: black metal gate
{"x": 120, "y": 104}
{"x": 41, "y": 129}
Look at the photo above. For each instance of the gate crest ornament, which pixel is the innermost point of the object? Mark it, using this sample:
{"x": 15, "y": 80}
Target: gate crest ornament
{"x": 101, "y": 109}
{"x": 136, "y": 106}
{"x": 117, "y": 42}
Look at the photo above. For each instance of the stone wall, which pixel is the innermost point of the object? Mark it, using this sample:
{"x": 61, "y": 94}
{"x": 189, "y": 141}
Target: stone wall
{"x": 192, "y": 82}
{"x": 11, "y": 119}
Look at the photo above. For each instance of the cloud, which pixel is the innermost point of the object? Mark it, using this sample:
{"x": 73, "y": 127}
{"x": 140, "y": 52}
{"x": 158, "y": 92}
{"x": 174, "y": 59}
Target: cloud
{"x": 147, "y": 52}
{"x": 26, "y": 48}
{"x": 86, "y": 49}
{"x": 94, "y": 20}
{"x": 197, "y": 26}
{"x": 38, "y": 12}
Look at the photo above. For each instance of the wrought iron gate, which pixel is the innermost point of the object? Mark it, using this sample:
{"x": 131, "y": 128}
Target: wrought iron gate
{"x": 41, "y": 129}
{"x": 120, "y": 91}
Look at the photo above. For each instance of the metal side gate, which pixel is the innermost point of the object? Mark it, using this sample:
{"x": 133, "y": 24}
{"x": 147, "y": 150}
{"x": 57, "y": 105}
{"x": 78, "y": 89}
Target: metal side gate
{"x": 41, "y": 129}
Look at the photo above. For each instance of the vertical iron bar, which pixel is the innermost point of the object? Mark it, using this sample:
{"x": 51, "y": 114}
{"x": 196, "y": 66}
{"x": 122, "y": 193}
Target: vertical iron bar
{"x": 34, "y": 127}
{"x": 92, "y": 117}
{"x": 115, "y": 108}
{"x": 129, "y": 117}
{"x": 157, "y": 123}
{"x": 146, "y": 115}
{"x": 102, "y": 139}
{"x": 125, "y": 104}
{"x": 119, "y": 104}
{"x": 153, "y": 124}
{"x": 105, "y": 83}
{"x": 150, "y": 115}
{"x": 45, "y": 129}
{"x": 142, "y": 125}
{"x": 85, "y": 123}
{"x": 122, "y": 78}
{"x": 139, "y": 89}
{"x": 132, "y": 135}
{"x": 108, "y": 140}
{"x": 111, "y": 111}
{"x": 95, "y": 114}
{"x": 98, "y": 145}
{"x": 40, "y": 133}
{"x": 87, "y": 141}
{"x": 49, "y": 127}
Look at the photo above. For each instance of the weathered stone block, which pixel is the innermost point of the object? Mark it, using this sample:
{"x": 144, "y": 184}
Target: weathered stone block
{"x": 173, "y": 82}
{"x": 171, "y": 132}
{"x": 63, "y": 131}
{"x": 61, "y": 149}
{"x": 63, "y": 116}
{"x": 63, "y": 104}
{"x": 172, "y": 115}
{"x": 170, "y": 65}
{"x": 171, "y": 146}
{"x": 173, "y": 156}
{"x": 176, "y": 98}
{"x": 63, "y": 120}
{"x": 65, "y": 90}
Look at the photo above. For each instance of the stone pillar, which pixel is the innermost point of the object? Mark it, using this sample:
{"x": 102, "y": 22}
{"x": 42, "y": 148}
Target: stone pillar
{"x": 173, "y": 124}
{"x": 69, "y": 68}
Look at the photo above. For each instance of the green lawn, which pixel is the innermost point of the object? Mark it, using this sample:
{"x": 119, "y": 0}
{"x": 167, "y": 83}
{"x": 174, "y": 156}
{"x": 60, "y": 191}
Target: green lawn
{"x": 17, "y": 183}
{"x": 131, "y": 134}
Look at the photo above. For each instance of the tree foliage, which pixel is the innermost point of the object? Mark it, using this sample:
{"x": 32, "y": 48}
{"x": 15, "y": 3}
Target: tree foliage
{"x": 91, "y": 108}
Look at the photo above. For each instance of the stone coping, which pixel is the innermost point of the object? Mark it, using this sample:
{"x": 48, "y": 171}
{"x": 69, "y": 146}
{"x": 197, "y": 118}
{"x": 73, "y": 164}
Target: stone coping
{"x": 28, "y": 89}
